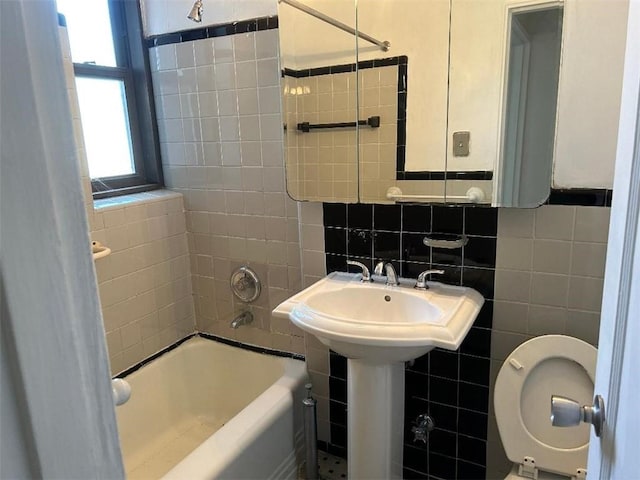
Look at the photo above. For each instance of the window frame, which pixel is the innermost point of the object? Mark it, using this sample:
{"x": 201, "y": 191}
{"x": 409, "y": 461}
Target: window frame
{"x": 133, "y": 70}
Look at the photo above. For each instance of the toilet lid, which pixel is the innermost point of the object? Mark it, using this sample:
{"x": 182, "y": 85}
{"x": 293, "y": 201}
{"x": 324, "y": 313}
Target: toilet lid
{"x": 536, "y": 370}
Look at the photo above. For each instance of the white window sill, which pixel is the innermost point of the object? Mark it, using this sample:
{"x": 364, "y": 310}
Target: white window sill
{"x": 113, "y": 203}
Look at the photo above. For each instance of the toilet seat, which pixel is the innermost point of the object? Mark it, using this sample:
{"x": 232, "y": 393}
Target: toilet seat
{"x": 536, "y": 370}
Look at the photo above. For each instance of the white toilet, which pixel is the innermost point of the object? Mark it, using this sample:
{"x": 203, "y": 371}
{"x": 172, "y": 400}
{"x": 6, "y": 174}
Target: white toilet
{"x": 536, "y": 370}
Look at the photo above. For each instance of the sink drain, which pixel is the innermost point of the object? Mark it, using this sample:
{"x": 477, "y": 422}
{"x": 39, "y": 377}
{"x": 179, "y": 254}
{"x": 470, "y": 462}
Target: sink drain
{"x": 387, "y": 298}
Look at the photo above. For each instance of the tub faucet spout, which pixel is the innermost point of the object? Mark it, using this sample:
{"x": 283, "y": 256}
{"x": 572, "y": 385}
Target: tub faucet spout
{"x": 243, "y": 319}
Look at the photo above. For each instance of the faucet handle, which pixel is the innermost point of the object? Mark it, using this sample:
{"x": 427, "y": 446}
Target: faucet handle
{"x": 366, "y": 276}
{"x": 421, "y": 283}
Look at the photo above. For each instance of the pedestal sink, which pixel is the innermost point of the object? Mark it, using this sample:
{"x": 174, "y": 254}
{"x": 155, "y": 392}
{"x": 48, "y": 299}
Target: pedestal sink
{"x": 378, "y": 328}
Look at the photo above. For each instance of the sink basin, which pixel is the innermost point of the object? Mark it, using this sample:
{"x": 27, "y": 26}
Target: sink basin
{"x": 379, "y": 323}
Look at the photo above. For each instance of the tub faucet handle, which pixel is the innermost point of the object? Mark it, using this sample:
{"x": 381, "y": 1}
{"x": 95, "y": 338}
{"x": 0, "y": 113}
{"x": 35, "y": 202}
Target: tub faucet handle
{"x": 366, "y": 275}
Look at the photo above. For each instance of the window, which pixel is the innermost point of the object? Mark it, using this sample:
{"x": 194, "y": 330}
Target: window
{"x": 114, "y": 93}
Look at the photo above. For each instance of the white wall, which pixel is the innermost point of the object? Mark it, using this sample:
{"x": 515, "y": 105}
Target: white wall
{"x": 162, "y": 16}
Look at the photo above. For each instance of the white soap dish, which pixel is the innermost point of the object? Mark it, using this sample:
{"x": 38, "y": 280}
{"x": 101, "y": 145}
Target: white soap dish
{"x": 99, "y": 250}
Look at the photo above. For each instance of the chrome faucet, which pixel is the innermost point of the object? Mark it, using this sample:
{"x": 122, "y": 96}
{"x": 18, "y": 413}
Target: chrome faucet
{"x": 243, "y": 319}
{"x": 390, "y": 272}
{"x": 366, "y": 276}
{"x": 421, "y": 283}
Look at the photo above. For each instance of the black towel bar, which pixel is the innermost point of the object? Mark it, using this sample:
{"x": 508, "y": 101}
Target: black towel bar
{"x": 373, "y": 122}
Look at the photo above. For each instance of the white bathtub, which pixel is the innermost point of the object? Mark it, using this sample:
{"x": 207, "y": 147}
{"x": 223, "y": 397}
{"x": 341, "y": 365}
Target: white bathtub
{"x": 207, "y": 410}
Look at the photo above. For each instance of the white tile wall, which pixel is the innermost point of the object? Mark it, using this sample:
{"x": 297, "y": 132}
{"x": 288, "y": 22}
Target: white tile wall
{"x": 222, "y": 149}
{"x": 145, "y": 284}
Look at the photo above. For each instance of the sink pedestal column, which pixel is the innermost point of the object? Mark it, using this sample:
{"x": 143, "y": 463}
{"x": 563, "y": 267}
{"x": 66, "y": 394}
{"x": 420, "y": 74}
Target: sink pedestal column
{"x": 375, "y": 419}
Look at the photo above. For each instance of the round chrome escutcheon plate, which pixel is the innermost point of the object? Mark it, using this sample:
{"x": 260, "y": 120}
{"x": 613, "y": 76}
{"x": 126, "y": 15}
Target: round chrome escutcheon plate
{"x": 245, "y": 284}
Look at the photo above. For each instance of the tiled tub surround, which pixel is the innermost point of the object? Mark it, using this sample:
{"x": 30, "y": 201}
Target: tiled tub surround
{"x": 145, "y": 284}
{"x": 549, "y": 276}
{"x": 219, "y": 106}
{"x": 453, "y": 387}
{"x": 221, "y": 140}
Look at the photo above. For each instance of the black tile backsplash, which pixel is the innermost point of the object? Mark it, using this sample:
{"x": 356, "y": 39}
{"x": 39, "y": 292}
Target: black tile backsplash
{"x": 416, "y": 218}
{"x": 338, "y": 389}
{"x": 447, "y": 220}
{"x": 471, "y": 449}
{"x": 335, "y": 214}
{"x": 472, "y": 424}
{"x": 338, "y": 366}
{"x": 360, "y": 216}
{"x": 443, "y": 363}
{"x": 335, "y": 240}
{"x": 452, "y": 387}
{"x": 387, "y": 217}
{"x": 386, "y": 245}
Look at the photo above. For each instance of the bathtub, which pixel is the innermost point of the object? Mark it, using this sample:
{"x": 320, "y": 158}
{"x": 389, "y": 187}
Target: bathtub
{"x": 208, "y": 410}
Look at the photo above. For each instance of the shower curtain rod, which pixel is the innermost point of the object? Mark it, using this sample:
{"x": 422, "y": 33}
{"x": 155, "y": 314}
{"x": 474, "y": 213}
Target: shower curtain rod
{"x": 384, "y": 46}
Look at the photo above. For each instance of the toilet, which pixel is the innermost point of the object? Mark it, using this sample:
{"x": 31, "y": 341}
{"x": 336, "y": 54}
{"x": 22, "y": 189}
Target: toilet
{"x": 536, "y": 370}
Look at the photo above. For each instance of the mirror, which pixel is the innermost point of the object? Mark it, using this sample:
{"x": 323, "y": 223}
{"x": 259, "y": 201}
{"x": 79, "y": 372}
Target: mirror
{"x": 465, "y": 97}
{"x": 319, "y": 89}
{"x": 531, "y": 89}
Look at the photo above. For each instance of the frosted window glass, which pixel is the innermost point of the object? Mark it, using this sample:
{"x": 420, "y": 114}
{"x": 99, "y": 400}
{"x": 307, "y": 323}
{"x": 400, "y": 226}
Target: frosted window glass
{"x": 105, "y": 123}
{"x": 89, "y": 27}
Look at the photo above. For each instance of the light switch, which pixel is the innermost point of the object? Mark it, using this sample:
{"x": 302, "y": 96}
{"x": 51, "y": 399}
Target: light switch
{"x": 461, "y": 144}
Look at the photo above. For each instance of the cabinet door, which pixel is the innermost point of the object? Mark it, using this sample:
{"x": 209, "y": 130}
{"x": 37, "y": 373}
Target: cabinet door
{"x": 589, "y": 93}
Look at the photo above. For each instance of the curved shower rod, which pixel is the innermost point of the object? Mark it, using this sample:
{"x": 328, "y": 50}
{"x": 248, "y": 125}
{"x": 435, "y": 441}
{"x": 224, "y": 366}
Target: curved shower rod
{"x": 384, "y": 45}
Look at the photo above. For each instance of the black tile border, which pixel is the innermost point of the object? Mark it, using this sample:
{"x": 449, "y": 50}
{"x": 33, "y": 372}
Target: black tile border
{"x": 252, "y": 348}
{"x": 401, "y": 134}
{"x": 401, "y": 60}
{"x": 443, "y": 175}
{"x": 586, "y": 197}
{"x": 211, "y": 31}
{"x": 215, "y": 338}
{"x": 151, "y": 358}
